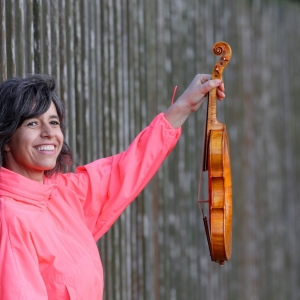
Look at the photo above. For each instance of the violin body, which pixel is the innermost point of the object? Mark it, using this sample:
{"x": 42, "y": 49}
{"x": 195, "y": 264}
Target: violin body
{"x": 220, "y": 195}
{"x": 216, "y": 161}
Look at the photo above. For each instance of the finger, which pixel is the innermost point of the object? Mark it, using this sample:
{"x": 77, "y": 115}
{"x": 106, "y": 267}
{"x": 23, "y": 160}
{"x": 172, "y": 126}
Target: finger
{"x": 209, "y": 85}
{"x": 220, "y": 95}
{"x": 204, "y": 78}
{"x": 221, "y": 87}
{"x": 200, "y": 79}
{"x": 220, "y": 91}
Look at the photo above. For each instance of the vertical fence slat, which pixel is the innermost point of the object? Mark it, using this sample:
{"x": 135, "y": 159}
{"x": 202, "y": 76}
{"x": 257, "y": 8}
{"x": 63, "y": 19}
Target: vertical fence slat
{"x": 37, "y": 37}
{"x": 3, "y": 53}
{"x": 20, "y": 38}
{"x": 54, "y": 37}
{"x": 46, "y": 37}
{"x": 29, "y": 36}
{"x": 11, "y": 39}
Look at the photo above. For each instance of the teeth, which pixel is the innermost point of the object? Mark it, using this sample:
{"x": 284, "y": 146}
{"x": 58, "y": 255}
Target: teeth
{"x": 46, "y": 148}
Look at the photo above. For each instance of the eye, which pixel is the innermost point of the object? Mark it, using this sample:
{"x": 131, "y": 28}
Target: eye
{"x": 32, "y": 123}
{"x": 55, "y": 122}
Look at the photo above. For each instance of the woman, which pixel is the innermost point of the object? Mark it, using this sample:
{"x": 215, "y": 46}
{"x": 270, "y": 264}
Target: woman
{"x": 49, "y": 221}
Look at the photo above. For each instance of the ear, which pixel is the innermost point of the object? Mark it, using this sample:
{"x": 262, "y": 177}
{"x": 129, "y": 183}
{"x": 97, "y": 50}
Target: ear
{"x": 6, "y": 147}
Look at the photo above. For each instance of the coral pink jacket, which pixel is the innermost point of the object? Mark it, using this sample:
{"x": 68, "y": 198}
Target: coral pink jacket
{"x": 48, "y": 232}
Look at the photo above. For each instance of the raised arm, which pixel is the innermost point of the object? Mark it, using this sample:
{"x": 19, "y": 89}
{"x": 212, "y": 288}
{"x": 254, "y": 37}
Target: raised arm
{"x": 192, "y": 98}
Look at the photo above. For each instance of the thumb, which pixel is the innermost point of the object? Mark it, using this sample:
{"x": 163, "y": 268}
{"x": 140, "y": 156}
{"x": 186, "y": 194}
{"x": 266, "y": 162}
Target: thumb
{"x": 209, "y": 85}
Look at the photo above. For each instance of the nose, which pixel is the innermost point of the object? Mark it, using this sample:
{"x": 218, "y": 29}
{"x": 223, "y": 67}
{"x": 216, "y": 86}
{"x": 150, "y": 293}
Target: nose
{"x": 47, "y": 131}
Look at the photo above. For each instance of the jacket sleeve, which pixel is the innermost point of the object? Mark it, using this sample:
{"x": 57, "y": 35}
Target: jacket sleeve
{"x": 107, "y": 186}
{"x": 19, "y": 269}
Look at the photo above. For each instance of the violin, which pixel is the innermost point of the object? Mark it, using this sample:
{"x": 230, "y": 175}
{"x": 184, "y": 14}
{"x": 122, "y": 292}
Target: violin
{"x": 216, "y": 161}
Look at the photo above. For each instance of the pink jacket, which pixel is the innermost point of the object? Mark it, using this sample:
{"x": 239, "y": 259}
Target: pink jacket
{"x": 48, "y": 232}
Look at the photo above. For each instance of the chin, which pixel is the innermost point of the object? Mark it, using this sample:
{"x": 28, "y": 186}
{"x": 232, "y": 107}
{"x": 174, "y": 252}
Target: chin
{"x": 47, "y": 168}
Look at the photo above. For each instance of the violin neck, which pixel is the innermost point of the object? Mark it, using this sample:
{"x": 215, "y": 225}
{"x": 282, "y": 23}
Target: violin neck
{"x": 212, "y": 108}
{"x": 212, "y": 123}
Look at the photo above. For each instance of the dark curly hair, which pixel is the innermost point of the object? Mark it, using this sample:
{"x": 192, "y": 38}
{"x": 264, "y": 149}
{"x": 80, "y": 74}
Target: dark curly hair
{"x": 25, "y": 98}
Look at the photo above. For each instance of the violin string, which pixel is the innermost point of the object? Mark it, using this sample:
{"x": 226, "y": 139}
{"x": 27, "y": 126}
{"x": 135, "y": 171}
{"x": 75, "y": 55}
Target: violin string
{"x": 201, "y": 169}
{"x": 204, "y": 218}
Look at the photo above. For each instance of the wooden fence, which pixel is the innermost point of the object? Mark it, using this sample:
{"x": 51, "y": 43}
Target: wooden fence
{"x": 116, "y": 63}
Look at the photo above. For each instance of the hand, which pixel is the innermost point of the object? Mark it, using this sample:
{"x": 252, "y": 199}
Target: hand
{"x": 192, "y": 98}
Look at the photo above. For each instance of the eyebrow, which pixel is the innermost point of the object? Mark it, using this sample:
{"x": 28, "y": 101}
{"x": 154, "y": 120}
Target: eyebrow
{"x": 54, "y": 116}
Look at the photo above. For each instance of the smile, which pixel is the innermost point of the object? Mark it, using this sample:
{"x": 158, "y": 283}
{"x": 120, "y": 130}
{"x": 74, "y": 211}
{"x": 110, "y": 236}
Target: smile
{"x": 45, "y": 148}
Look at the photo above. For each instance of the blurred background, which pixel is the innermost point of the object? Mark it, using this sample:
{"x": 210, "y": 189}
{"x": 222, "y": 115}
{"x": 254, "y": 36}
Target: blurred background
{"x": 116, "y": 63}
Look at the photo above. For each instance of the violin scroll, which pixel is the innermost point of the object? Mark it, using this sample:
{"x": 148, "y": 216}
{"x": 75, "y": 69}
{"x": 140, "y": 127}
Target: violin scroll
{"x": 221, "y": 49}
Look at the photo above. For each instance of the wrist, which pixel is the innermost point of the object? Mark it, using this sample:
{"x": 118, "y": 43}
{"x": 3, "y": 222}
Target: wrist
{"x": 176, "y": 115}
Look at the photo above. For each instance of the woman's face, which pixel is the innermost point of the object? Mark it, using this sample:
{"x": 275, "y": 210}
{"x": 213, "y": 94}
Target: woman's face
{"x": 35, "y": 145}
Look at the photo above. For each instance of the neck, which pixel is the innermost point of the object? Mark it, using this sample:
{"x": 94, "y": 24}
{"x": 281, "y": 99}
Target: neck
{"x": 30, "y": 174}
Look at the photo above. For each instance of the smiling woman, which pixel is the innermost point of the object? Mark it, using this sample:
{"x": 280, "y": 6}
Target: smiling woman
{"x": 29, "y": 107}
{"x": 41, "y": 139}
{"x": 50, "y": 220}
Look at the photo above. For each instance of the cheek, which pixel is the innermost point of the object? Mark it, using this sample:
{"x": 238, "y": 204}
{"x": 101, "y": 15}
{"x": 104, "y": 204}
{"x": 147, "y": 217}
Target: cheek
{"x": 61, "y": 139}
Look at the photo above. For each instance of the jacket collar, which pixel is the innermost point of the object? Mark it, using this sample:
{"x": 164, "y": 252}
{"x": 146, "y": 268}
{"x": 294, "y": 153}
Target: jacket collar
{"x": 20, "y": 188}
